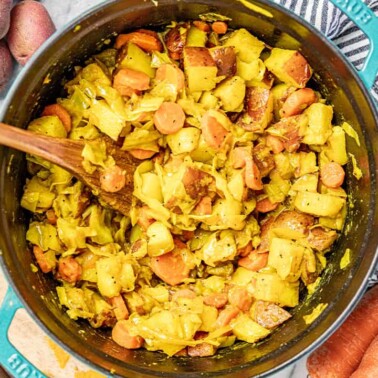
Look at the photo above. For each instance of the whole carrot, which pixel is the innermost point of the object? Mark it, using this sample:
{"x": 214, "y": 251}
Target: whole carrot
{"x": 341, "y": 354}
{"x": 368, "y": 367}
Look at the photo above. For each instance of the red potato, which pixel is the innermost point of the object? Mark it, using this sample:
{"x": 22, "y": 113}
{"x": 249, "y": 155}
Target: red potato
{"x": 268, "y": 314}
{"x": 225, "y": 59}
{"x": 175, "y": 41}
{"x": 6, "y": 65}
{"x": 321, "y": 239}
{"x": 259, "y": 105}
{"x": 30, "y": 26}
{"x": 342, "y": 353}
{"x": 368, "y": 367}
{"x": 5, "y": 9}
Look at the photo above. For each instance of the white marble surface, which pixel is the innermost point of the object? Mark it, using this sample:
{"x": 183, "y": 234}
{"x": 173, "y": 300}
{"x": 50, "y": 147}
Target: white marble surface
{"x": 41, "y": 354}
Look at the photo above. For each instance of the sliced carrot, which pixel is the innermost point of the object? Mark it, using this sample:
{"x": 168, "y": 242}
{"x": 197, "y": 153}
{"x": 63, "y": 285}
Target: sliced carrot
{"x": 172, "y": 75}
{"x": 213, "y": 132}
{"x": 119, "y": 307}
{"x": 202, "y": 25}
{"x": 252, "y": 175}
{"x": 126, "y": 77}
{"x": 368, "y": 368}
{"x": 45, "y": 265}
{"x": 141, "y": 154}
{"x": 254, "y": 261}
{"x": 69, "y": 269}
{"x": 239, "y": 155}
{"x": 169, "y": 118}
{"x": 341, "y": 354}
{"x": 144, "y": 217}
{"x": 204, "y": 206}
{"x": 170, "y": 267}
{"x": 245, "y": 250}
{"x": 51, "y": 216}
{"x": 217, "y": 300}
{"x": 146, "y": 41}
{"x": 187, "y": 235}
{"x": 332, "y": 174}
{"x": 226, "y": 315}
{"x": 121, "y": 334}
{"x": 240, "y": 298}
{"x": 275, "y": 144}
{"x": 265, "y": 205}
{"x": 297, "y": 102}
{"x": 61, "y": 113}
{"x": 113, "y": 179}
{"x": 219, "y": 27}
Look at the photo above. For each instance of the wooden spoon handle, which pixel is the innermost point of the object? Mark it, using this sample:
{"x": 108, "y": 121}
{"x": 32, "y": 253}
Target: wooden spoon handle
{"x": 55, "y": 150}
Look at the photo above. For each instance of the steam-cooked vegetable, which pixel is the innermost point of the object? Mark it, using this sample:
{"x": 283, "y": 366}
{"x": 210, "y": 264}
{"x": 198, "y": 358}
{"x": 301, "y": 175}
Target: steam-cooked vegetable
{"x": 237, "y": 199}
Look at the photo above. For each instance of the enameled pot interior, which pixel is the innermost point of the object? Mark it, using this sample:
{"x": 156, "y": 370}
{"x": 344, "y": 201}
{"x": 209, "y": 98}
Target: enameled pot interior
{"x": 40, "y": 83}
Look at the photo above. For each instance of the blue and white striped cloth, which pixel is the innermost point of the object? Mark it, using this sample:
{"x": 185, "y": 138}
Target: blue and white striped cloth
{"x": 336, "y": 26}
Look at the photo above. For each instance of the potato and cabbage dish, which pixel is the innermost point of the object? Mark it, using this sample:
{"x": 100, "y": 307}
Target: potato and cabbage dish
{"x": 237, "y": 193}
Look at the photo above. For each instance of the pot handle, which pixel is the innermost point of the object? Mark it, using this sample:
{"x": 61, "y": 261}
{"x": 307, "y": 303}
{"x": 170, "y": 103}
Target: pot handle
{"x": 10, "y": 359}
{"x": 367, "y": 21}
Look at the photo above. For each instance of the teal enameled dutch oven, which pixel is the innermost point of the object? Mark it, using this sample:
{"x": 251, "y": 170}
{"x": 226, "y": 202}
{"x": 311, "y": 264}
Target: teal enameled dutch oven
{"x": 341, "y": 289}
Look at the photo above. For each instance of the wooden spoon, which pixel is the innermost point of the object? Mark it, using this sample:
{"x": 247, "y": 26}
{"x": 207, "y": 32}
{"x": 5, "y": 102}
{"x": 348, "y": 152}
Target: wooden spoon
{"x": 67, "y": 154}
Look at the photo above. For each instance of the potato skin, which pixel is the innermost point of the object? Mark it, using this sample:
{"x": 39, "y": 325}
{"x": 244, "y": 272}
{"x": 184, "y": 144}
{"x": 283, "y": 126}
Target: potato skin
{"x": 30, "y": 26}
{"x": 6, "y": 65}
{"x": 5, "y": 9}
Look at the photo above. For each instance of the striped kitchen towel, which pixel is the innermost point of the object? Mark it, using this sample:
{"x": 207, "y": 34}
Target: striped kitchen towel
{"x": 337, "y": 27}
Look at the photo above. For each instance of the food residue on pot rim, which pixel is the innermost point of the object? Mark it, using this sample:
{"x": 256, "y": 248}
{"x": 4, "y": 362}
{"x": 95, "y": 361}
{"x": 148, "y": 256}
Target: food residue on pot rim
{"x": 256, "y": 8}
{"x": 315, "y": 313}
{"x": 345, "y": 260}
{"x": 61, "y": 355}
{"x": 357, "y": 173}
{"x": 351, "y": 132}
{"x": 77, "y": 28}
